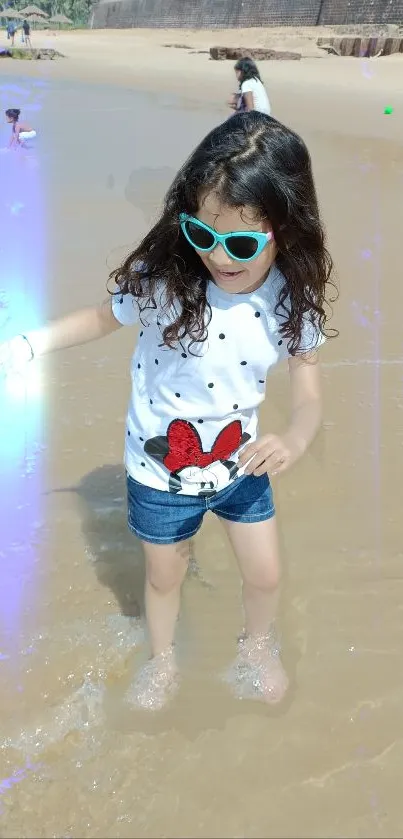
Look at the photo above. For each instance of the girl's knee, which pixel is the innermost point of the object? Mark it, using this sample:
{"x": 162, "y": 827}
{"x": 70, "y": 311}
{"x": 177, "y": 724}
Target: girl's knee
{"x": 265, "y": 575}
{"x": 166, "y": 565}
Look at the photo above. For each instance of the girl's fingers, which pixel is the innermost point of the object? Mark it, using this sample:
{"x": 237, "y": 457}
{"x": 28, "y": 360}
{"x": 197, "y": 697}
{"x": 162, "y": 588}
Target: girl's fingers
{"x": 263, "y": 453}
{"x": 272, "y": 464}
{"x": 260, "y": 459}
{"x": 259, "y": 447}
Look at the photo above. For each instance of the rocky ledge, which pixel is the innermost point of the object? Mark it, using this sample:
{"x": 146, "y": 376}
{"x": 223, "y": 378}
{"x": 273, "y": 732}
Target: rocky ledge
{"x": 29, "y": 55}
{"x": 257, "y": 53}
{"x": 361, "y": 47}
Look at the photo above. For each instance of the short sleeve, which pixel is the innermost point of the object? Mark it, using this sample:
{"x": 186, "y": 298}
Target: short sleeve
{"x": 125, "y": 309}
{"x": 248, "y": 86}
{"x": 311, "y": 336}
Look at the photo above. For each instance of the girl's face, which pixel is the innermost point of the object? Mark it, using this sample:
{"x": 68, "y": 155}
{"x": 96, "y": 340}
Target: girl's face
{"x": 9, "y": 119}
{"x": 238, "y": 74}
{"x": 228, "y": 274}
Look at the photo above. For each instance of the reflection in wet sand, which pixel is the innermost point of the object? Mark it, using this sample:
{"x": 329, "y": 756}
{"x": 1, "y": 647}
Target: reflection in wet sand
{"x": 76, "y": 762}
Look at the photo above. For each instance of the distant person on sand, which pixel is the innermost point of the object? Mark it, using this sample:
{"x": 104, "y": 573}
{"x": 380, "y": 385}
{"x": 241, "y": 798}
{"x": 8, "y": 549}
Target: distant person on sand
{"x": 26, "y": 30}
{"x": 252, "y": 95}
{"x": 11, "y": 30}
{"x": 21, "y": 131}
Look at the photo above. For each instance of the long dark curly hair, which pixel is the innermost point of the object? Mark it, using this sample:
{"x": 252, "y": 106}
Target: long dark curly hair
{"x": 250, "y": 160}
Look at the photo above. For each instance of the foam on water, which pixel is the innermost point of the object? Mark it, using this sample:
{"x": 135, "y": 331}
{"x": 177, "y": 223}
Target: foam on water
{"x": 109, "y": 641}
{"x": 80, "y": 711}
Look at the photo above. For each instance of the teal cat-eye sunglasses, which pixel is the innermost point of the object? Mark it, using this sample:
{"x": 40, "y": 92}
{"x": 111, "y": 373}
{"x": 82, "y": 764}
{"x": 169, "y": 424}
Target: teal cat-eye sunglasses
{"x": 242, "y": 245}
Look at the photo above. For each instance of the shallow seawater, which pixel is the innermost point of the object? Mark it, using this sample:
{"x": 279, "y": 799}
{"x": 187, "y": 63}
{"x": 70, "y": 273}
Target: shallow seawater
{"x": 75, "y": 762}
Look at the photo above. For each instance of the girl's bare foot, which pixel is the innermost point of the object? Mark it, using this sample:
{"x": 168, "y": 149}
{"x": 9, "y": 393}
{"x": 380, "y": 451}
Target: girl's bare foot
{"x": 156, "y": 683}
{"x": 258, "y": 672}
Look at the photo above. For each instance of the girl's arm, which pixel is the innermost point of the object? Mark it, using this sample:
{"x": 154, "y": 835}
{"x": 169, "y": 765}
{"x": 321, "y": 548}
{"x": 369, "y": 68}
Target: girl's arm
{"x": 272, "y": 453}
{"x": 306, "y": 402}
{"x": 248, "y": 101}
{"x": 81, "y": 327}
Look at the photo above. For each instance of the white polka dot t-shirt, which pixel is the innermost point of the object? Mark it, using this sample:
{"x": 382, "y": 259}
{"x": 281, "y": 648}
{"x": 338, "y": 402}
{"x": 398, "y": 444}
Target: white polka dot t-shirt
{"x": 190, "y": 414}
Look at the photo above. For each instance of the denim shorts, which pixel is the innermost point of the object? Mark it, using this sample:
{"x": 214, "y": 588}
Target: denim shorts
{"x": 163, "y": 517}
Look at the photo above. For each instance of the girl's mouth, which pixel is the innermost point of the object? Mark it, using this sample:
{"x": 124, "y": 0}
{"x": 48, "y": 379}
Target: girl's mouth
{"x": 228, "y": 275}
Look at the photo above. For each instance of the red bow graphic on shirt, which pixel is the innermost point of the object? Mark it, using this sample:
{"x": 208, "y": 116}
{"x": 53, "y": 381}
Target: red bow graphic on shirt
{"x": 185, "y": 447}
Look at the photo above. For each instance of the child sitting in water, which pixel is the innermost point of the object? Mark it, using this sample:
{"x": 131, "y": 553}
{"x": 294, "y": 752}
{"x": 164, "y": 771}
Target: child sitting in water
{"x": 21, "y": 131}
{"x": 232, "y": 279}
{"x": 252, "y": 94}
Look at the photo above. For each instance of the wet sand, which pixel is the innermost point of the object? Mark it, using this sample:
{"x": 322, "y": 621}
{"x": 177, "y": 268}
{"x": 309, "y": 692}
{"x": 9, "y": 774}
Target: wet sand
{"x": 74, "y": 762}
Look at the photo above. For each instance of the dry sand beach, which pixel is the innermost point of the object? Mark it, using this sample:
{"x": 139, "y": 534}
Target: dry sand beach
{"x": 115, "y": 119}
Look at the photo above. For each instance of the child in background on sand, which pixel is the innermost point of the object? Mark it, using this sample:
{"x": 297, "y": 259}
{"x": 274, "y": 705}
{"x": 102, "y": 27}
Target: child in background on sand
{"x": 26, "y": 33}
{"x": 231, "y": 280}
{"x": 252, "y": 94}
{"x": 11, "y": 30}
{"x": 21, "y": 131}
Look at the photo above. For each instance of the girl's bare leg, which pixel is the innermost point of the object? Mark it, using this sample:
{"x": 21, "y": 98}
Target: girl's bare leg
{"x": 258, "y": 668}
{"x": 166, "y": 567}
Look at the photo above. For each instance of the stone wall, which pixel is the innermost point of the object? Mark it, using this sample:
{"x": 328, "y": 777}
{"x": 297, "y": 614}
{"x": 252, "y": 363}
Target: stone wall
{"x": 210, "y": 14}
{"x": 360, "y": 11}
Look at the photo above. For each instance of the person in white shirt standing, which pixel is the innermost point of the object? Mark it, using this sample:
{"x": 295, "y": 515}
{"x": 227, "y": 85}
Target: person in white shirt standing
{"x": 232, "y": 279}
{"x": 252, "y": 94}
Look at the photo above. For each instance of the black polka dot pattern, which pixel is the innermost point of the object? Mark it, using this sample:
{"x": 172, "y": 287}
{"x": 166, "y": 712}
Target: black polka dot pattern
{"x": 121, "y": 300}
{"x": 280, "y": 342}
{"x": 210, "y": 385}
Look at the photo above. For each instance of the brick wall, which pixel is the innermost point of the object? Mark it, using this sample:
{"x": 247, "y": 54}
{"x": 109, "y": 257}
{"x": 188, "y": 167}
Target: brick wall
{"x": 210, "y": 14}
{"x": 204, "y": 14}
{"x": 361, "y": 11}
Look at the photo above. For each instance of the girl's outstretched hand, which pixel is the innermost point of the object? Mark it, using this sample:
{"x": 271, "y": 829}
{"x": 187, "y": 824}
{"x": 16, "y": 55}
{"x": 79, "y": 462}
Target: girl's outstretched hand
{"x": 15, "y": 355}
{"x": 269, "y": 454}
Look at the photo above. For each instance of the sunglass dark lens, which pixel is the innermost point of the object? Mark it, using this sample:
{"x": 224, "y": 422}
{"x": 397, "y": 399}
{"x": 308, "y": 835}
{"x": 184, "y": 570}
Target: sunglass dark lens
{"x": 199, "y": 237}
{"x": 242, "y": 247}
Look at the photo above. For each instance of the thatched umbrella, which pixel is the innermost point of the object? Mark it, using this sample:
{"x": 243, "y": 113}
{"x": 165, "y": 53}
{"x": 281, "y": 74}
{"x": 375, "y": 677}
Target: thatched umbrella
{"x": 33, "y": 10}
{"x": 11, "y": 14}
{"x": 60, "y": 19}
{"x": 37, "y": 19}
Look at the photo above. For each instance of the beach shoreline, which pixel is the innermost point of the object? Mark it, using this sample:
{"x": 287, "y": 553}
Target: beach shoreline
{"x": 178, "y": 60}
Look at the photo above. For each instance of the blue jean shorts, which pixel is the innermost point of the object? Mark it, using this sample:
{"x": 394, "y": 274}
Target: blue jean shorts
{"x": 164, "y": 518}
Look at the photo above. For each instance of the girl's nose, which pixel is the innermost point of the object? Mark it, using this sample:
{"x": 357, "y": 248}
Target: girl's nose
{"x": 219, "y": 257}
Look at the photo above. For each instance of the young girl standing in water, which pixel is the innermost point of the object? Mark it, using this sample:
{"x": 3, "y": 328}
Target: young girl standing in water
{"x": 231, "y": 280}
